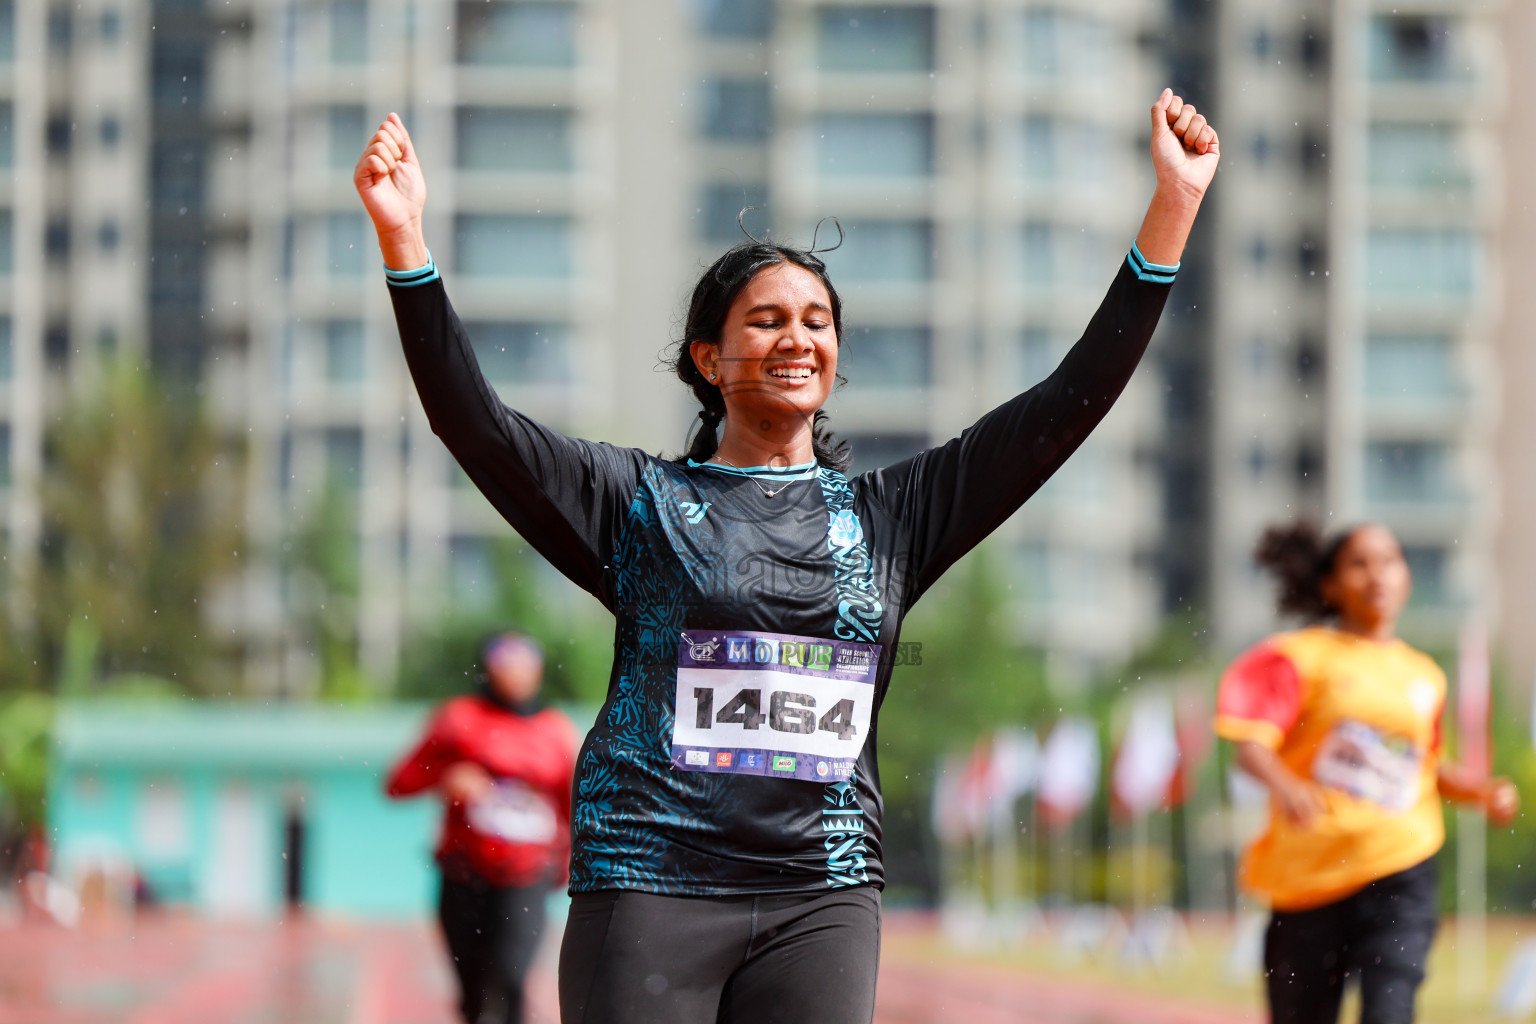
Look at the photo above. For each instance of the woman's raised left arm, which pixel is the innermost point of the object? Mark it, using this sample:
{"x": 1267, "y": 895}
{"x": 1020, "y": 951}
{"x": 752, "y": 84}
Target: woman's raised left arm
{"x": 950, "y": 497}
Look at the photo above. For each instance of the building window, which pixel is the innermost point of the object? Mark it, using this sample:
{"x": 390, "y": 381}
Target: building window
{"x": 513, "y": 245}
{"x": 473, "y": 573}
{"x": 56, "y": 238}
{"x": 344, "y": 244}
{"x": 344, "y": 457}
{"x": 875, "y": 145}
{"x": 1056, "y": 254}
{"x": 7, "y": 30}
{"x": 895, "y": 251}
{"x": 1407, "y": 471}
{"x": 349, "y": 31}
{"x": 1062, "y": 44}
{"x": 1421, "y": 262}
{"x": 110, "y": 131}
{"x": 521, "y": 353}
{"x": 874, "y": 451}
{"x": 1425, "y": 156}
{"x": 737, "y": 19}
{"x": 1263, "y": 44}
{"x": 511, "y": 139}
{"x": 345, "y": 353}
{"x": 180, "y": 72}
{"x": 348, "y": 130}
{"x": 176, "y": 167}
{"x": 1409, "y": 366}
{"x": 891, "y": 39}
{"x": 58, "y": 133}
{"x": 7, "y": 354}
{"x": 886, "y": 357}
{"x": 110, "y": 27}
{"x": 56, "y": 344}
{"x": 1428, "y": 566}
{"x": 1039, "y": 353}
{"x": 6, "y": 241}
{"x": 1083, "y": 482}
{"x": 515, "y": 34}
{"x": 61, "y": 29}
{"x": 107, "y": 235}
{"x": 164, "y": 832}
{"x": 723, "y": 202}
{"x": 1314, "y": 52}
{"x": 7, "y": 136}
{"x": 1413, "y": 47}
{"x": 1058, "y": 149}
{"x": 5, "y": 455}
{"x": 737, "y": 109}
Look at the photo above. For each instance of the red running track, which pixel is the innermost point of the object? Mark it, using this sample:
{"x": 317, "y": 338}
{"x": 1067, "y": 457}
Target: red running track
{"x": 174, "y": 970}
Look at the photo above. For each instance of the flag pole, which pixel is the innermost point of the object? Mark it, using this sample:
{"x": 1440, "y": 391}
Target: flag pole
{"x": 1472, "y": 713}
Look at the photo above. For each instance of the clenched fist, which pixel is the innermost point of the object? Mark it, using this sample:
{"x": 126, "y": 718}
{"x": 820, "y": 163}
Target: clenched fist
{"x": 1185, "y": 149}
{"x": 389, "y": 180}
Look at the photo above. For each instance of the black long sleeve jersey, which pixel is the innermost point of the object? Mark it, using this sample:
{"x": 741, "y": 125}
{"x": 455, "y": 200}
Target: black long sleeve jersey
{"x": 756, "y": 610}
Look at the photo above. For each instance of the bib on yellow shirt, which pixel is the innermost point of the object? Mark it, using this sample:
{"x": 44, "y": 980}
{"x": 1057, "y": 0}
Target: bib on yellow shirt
{"x": 1362, "y": 719}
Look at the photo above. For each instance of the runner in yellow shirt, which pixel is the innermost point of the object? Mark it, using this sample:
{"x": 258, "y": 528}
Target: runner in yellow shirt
{"x": 1341, "y": 722}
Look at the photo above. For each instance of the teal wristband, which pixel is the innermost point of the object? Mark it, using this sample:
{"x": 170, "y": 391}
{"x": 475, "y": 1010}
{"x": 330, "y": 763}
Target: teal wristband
{"x": 412, "y": 278}
{"x": 1145, "y": 270}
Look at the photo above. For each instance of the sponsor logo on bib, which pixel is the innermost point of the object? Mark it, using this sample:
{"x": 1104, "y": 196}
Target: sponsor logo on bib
{"x": 704, "y": 650}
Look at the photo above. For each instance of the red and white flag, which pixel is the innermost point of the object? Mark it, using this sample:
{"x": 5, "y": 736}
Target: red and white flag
{"x": 1148, "y": 759}
{"x": 1069, "y": 769}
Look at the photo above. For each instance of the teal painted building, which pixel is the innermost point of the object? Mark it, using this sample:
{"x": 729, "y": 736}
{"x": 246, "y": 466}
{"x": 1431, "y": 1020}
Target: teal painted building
{"x": 243, "y": 809}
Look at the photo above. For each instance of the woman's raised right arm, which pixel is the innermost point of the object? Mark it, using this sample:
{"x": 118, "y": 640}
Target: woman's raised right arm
{"x": 567, "y": 497}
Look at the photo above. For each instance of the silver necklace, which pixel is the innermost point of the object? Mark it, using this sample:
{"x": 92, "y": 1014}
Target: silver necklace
{"x": 766, "y": 492}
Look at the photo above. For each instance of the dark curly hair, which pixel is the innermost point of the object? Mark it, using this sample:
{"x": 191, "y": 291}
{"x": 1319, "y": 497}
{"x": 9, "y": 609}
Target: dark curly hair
{"x": 712, "y": 298}
{"x": 1301, "y": 557}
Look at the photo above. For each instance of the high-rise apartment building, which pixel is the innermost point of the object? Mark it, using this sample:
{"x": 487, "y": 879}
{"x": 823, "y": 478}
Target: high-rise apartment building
{"x": 1359, "y": 211}
{"x": 586, "y": 158}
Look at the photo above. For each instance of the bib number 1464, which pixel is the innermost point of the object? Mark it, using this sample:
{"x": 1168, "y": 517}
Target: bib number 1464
{"x": 788, "y": 712}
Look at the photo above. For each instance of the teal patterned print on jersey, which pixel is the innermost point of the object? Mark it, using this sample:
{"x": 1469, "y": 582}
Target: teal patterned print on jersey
{"x": 859, "y": 614}
{"x": 859, "y": 610}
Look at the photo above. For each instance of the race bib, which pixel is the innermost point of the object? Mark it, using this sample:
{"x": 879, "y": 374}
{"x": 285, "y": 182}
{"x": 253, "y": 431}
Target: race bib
{"x": 790, "y": 707}
{"x": 514, "y": 812}
{"x": 1386, "y": 770}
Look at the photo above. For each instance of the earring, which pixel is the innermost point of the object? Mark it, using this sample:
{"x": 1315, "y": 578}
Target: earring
{"x": 713, "y": 376}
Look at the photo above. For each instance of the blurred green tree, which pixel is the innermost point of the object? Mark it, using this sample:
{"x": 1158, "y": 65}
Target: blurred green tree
{"x": 142, "y": 503}
{"x": 321, "y": 562}
{"x": 439, "y": 658}
{"x": 962, "y": 674}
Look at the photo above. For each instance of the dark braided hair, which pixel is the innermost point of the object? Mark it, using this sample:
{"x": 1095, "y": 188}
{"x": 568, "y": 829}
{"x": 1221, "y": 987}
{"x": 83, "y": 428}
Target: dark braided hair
{"x": 1301, "y": 557}
{"x": 711, "y": 302}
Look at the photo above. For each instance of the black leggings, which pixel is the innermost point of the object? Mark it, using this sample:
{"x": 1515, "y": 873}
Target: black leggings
{"x": 636, "y": 958}
{"x": 492, "y": 933}
{"x": 1381, "y": 934}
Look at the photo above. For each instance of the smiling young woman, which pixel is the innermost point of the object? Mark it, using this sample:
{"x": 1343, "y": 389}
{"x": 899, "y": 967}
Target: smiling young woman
{"x": 725, "y": 862}
{"x": 1341, "y": 722}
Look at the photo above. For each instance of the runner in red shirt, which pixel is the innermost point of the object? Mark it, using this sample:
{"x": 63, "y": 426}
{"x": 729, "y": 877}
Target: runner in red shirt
{"x": 503, "y": 765}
